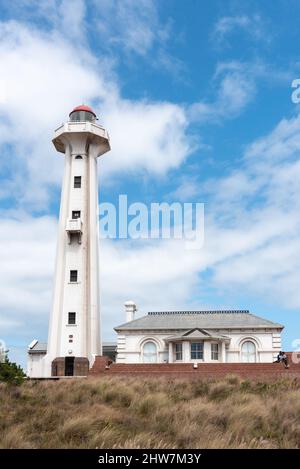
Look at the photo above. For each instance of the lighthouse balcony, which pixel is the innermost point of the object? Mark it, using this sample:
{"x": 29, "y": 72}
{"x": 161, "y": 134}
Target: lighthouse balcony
{"x": 74, "y": 229}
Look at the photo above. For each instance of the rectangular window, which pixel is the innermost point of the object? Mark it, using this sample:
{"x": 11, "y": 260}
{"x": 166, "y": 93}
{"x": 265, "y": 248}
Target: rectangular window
{"x": 178, "y": 351}
{"x": 77, "y": 182}
{"x": 73, "y": 275}
{"x": 71, "y": 320}
{"x": 197, "y": 351}
{"x": 75, "y": 214}
{"x": 215, "y": 351}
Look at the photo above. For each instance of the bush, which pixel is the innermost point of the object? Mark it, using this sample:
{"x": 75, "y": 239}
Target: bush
{"x": 11, "y": 373}
{"x": 220, "y": 391}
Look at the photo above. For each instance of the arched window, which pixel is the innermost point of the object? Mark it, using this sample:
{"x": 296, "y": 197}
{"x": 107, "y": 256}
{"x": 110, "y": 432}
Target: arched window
{"x": 149, "y": 352}
{"x": 78, "y": 157}
{"x": 248, "y": 352}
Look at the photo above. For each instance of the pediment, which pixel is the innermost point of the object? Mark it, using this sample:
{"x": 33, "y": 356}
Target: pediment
{"x": 196, "y": 333}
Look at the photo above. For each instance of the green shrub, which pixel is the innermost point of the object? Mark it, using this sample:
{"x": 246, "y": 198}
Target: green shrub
{"x": 11, "y": 373}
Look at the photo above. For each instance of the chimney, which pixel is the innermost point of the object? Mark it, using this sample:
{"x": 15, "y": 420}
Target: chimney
{"x": 130, "y": 309}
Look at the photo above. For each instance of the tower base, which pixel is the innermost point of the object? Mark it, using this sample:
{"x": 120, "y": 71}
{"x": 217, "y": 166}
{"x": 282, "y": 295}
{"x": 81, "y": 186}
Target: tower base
{"x": 70, "y": 366}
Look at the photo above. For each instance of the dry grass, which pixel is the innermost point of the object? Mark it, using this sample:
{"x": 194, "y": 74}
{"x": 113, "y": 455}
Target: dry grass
{"x": 124, "y": 412}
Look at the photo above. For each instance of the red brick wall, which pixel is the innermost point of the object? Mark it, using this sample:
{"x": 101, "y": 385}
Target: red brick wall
{"x": 102, "y": 366}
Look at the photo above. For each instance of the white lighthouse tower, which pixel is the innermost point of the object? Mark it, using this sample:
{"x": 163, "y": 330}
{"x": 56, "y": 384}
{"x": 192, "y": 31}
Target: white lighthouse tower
{"x": 74, "y": 330}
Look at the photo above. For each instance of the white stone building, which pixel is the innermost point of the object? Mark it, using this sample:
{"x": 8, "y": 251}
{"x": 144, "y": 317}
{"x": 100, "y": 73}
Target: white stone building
{"x": 197, "y": 336}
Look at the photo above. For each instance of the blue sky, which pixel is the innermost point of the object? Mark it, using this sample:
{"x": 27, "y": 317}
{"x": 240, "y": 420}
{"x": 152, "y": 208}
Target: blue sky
{"x": 196, "y": 97}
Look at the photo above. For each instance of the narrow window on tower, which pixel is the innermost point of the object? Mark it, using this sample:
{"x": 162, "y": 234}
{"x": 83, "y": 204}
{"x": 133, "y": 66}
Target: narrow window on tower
{"x": 75, "y": 214}
{"x": 77, "y": 182}
{"x": 71, "y": 320}
{"x": 73, "y": 275}
{"x": 78, "y": 157}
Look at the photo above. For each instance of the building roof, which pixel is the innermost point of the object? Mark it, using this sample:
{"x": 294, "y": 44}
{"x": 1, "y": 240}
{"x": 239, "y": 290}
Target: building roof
{"x": 106, "y": 346}
{"x": 83, "y": 107}
{"x": 37, "y": 347}
{"x": 227, "y": 319}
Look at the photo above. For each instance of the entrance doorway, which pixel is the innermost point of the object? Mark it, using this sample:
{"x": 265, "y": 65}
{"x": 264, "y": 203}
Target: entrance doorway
{"x": 69, "y": 366}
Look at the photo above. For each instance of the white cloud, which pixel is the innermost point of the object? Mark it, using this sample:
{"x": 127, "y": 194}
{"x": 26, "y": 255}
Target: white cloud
{"x": 145, "y": 135}
{"x": 252, "y": 25}
{"x": 156, "y": 275}
{"x": 66, "y": 16}
{"x": 7, "y": 324}
{"x": 187, "y": 189}
{"x": 234, "y": 87}
{"x": 133, "y": 26}
{"x": 27, "y": 252}
{"x": 259, "y": 205}
{"x": 44, "y": 76}
{"x": 283, "y": 142}
{"x": 251, "y": 238}
{"x": 120, "y": 28}
{"x": 70, "y": 19}
{"x": 270, "y": 272}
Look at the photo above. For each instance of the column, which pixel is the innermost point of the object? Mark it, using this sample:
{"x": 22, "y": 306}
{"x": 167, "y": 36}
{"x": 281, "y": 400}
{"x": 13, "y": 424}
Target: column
{"x": 170, "y": 352}
{"x": 206, "y": 351}
{"x": 223, "y": 352}
{"x": 186, "y": 357}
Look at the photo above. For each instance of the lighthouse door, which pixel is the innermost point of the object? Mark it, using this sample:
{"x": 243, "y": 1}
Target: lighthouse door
{"x": 69, "y": 366}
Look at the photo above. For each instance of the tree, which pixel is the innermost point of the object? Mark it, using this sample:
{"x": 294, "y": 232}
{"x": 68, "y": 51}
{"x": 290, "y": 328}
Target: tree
{"x": 11, "y": 373}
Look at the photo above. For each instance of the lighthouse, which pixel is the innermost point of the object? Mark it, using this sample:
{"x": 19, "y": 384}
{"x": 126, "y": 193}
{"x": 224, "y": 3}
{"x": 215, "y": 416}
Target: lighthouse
{"x": 74, "y": 338}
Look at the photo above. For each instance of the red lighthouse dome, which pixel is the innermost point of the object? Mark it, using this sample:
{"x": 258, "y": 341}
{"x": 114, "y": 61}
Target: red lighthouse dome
{"x": 82, "y": 113}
